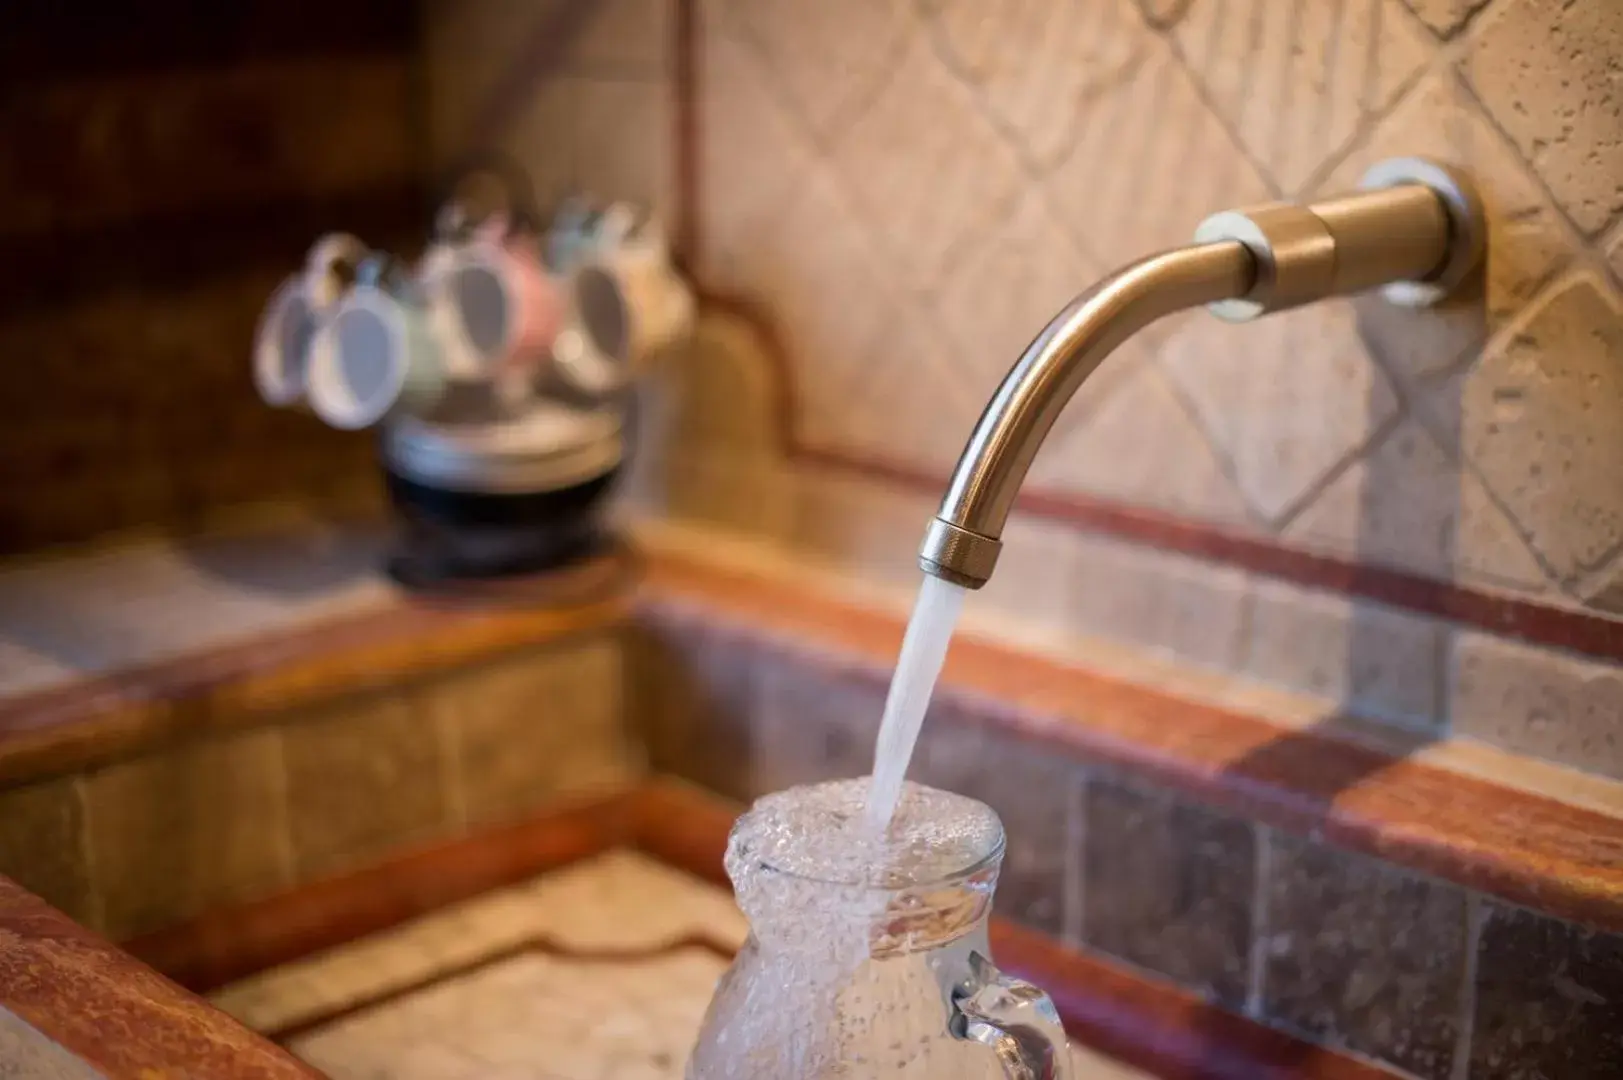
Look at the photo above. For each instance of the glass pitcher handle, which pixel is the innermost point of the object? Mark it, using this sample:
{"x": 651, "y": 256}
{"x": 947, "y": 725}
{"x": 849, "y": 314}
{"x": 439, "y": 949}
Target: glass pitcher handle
{"x": 1016, "y": 1019}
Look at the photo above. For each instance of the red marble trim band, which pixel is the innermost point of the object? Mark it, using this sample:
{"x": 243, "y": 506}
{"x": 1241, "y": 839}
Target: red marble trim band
{"x": 1526, "y": 848}
{"x": 119, "y": 1016}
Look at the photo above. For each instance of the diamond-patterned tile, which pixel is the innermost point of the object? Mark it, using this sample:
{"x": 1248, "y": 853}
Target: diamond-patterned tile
{"x": 624, "y": 132}
{"x": 544, "y": 138}
{"x": 1288, "y": 398}
{"x": 1547, "y": 70}
{"x": 830, "y": 56}
{"x": 1541, "y": 415}
{"x": 1445, "y": 16}
{"x": 1139, "y": 446}
{"x": 1527, "y": 241}
{"x": 1035, "y": 60}
{"x": 916, "y": 410}
{"x": 927, "y": 169}
{"x": 1127, "y": 187}
{"x": 828, "y": 291}
{"x": 1409, "y": 505}
{"x": 470, "y": 46}
{"x": 1296, "y": 81}
{"x": 752, "y": 156}
{"x": 1163, "y": 13}
{"x": 1006, "y": 289}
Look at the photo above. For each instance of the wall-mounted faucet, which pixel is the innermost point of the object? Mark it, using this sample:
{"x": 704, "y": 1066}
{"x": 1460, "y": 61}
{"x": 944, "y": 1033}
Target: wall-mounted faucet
{"x": 1414, "y": 228}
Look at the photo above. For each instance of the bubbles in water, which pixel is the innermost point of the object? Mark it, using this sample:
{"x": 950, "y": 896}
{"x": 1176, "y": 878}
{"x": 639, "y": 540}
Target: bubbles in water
{"x": 856, "y": 937}
{"x": 820, "y": 832}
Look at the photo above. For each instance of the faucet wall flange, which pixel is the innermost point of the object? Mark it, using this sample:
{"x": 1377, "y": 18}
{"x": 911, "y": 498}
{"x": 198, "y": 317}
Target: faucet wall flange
{"x": 1467, "y": 225}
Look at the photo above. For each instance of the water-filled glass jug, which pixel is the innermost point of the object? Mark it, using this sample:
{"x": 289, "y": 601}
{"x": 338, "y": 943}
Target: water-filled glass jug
{"x": 867, "y": 957}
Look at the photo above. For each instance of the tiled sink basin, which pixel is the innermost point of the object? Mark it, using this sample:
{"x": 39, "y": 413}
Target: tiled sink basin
{"x": 601, "y": 971}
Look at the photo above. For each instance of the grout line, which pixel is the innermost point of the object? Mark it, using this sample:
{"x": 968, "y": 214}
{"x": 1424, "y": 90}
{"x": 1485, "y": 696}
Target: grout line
{"x": 96, "y": 900}
{"x": 1076, "y": 862}
{"x": 1476, "y": 917}
{"x": 1357, "y": 454}
{"x": 450, "y": 747}
{"x": 1257, "y": 976}
{"x": 286, "y": 853}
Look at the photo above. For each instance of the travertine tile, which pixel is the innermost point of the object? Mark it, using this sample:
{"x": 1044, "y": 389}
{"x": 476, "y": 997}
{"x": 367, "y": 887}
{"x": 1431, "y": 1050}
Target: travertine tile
{"x": 624, "y": 132}
{"x": 1547, "y": 71}
{"x": 1190, "y": 609}
{"x": 1446, "y": 16}
{"x": 924, "y": 133}
{"x": 693, "y": 698}
{"x": 1125, "y": 188}
{"x": 537, "y": 726}
{"x": 469, "y": 45}
{"x": 738, "y": 493}
{"x": 1372, "y": 660}
{"x": 629, "y": 902}
{"x": 1036, "y": 60}
{"x": 1136, "y": 444}
{"x": 1036, "y": 574}
{"x": 811, "y": 723}
{"x": 1298, "y": 81}
{"x": 1409, "y": 505}
{"x": 1289, "y": 399}
{"x": 1005, "y": 290}
{"x": 1363, "y": 955}
{"x": 723, "y": 393}
{"x": 830, "y": 58}
{"x": 863, "y": 524}
{"x": 366, "y": 776}
{"x": 43, "y": 846}
{"x": 1034, "y": 792}
{"x": 629, "y": 39}
{"x": 1539, "y": 701}
{"x": 544, "y": 137}
{"x": 1540, "y": 416}
{"x": 1526, "y": 243}
{"x": 1547, "y": 1000}
{"x": 188, "y": 827}
{"x": 752, "y": 155}
{"x": 1168, "y": 887}
{"x": 919, "y": 414}
{"x": 834, "y": 268}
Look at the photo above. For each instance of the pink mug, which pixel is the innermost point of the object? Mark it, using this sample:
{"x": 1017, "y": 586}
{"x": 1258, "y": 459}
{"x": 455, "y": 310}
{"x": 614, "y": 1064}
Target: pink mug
{"x": 497, "y": 301}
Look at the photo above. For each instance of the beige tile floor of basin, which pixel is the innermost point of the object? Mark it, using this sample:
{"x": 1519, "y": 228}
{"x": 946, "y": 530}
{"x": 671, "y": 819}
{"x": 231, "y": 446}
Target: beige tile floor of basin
{"x": 630, "y": 952}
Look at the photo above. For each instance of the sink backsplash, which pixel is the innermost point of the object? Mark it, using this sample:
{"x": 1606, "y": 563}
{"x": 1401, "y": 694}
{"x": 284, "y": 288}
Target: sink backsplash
{"x": 1411, "y": 515}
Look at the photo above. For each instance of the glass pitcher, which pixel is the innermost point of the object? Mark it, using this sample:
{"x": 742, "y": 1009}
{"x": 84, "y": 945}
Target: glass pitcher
{"x": 867, "y": 957}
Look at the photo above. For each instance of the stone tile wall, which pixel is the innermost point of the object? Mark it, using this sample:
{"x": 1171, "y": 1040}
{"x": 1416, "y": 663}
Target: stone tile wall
{"x": 1428, "y": 978}
{"x": 141, "y": 844}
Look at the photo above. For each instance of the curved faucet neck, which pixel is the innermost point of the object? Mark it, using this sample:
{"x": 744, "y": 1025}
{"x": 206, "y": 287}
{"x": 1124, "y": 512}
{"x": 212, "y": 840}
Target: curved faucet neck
{"x": 1416, "y": 229}
{"x": 964, "y": 538}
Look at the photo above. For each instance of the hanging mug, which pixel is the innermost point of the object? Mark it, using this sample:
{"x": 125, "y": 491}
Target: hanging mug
{"x": 290, "y": 318}
{"x": 497, "y": 301}
{"x": 626, "y": 304}
{"x": 375, "y": 355}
